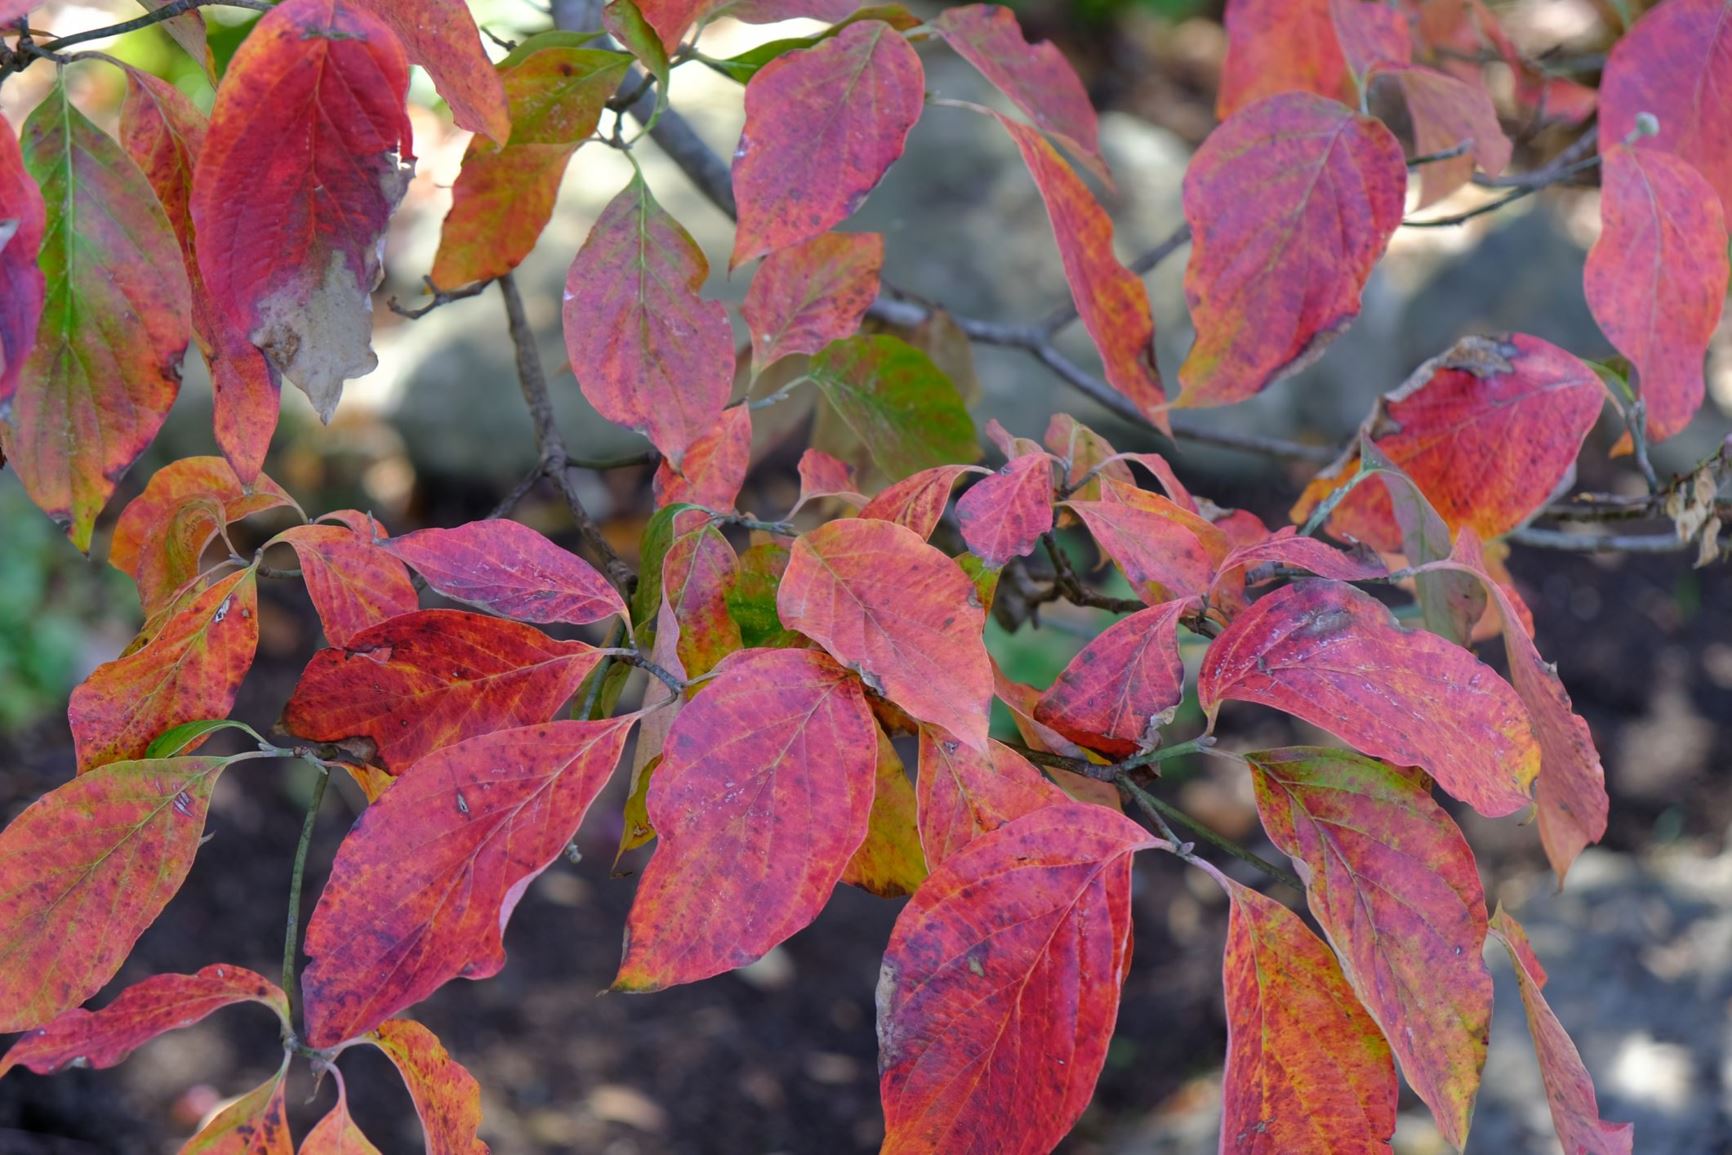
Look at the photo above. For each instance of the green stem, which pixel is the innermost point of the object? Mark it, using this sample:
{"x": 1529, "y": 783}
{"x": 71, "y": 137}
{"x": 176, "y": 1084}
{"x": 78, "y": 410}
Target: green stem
{"x": 291, "y": 938}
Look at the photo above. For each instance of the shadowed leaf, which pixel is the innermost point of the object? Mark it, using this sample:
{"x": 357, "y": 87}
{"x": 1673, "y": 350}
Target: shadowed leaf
{"x": 1251, "y": 564}
{"x": 901, "y": 406}
{"x": 890, "y": 863}
{"x": 1123, "y": 685}
{"x": 506, "y": 567}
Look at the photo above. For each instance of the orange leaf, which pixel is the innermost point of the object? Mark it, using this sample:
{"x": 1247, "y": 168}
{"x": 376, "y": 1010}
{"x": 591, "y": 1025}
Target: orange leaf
{"x": 353, "y": 583}
{"x": 1276, "y": 276}
{"x": 89, "y": 866}
{"x": 823, "y": 124}
{"x": 1446, "y": 113}
{"x": 440, "y": 36}
{"x": 1001, "y": 984}
{"x": 917, "y": 501}
{"x": 1569, "y": 1087}
{"x": 715, "y": 465}
{"x": 425, "y": 882}
{"x": 963, "y": 794}
{"x": 446, "y": 1096}
{"x": 336, "y": 1133}
{"x": 508, "y": 568}
{"x": 1656, "y": 278}
{"x": 420, "y": 681}
{"x": 649, "y": 353}
{"x": 762, "y": 797}
{"x": 1395, "y": 887}
{"x": 1004, "y": 515}
{"x": 807, "y": 295}
{"x": 1280, "y": 46}
{"x": 301, "y": 169}
{"x": 1307, "y": 1071}
{"x": 190, "y": 670}
{"x": 890, "y": 863}
{"x": 898, "y": 612}
{"x": 1335, "y": 657}
{"x": 141, "y": 1012}
{"x": 1122, "y": 686}
{"x": 255, "y": 1124}
{"x": 22, "y": 219}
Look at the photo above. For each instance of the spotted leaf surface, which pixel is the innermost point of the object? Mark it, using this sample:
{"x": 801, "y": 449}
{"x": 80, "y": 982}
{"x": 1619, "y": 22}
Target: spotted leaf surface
{"x": 963, "y": 793}
{"x": 1123, "y": 685}
{"x": 446, "y": 1096}
{"x": 1004, "y": 515}
{"x": 257, "y": 1123}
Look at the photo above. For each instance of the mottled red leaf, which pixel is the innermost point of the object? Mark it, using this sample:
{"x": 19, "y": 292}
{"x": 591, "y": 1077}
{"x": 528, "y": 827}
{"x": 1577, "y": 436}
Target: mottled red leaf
{"x": 425, "y": 882}
{"x": 446, "y": 1096}
{"x": 354, "y": 584}
{"x": 1446, "y": 113}
{"x": 1373, "y": 37}
{"x": 1569, "y": 1087}
{"x": 255, "y": 1124}
{"x": 822, "y": 126}
{"x": 917, "y": 501}
{"x": 715, "y": 465}
{"x": 1307, "y": 1070}
{"x": 822, "y": 475}
{"x": 22, "y": 218}
{"x": 1000, "y": 986}
{"x": 963, "y": 793}
{"x": 506, "y": 567}
{"x": 1656, "y": 278}
{"x": 649, "y": 353}
{"x": 1675, "y": 64}
{"x": 809, "y": 294}
{"x": 1335, "y": 657}
{"x": 1164, "y": 551}
{"x": 420, "y": 681}
{"x": 1122, "y": 686}
{"x": 87, "y": 867}
{"x": 1251, "y": 564}
{"x": 1275, "y": 277}
{"x": 1034, "y": 77}
{"x": 504, "y": 195}
{"x": 115, "y": 322}
{"x": 336, "y": 1133}
{"x": 1280, "y": 46}
{"x": 761, "y": 799}
{"x": 301, "y": 169}
{"x": 440, "y": 36}
{"x": 1111, "y": 300}
{"x": 1004, "y": 515}
{"x": 162, "y": 1003}
{"x": 898, "y": 612}
{"x": 698, "y": 571}
{"x": 189, "y": 670}
{"x": 1395, "y": 888}
{"x": 890, "y": 862}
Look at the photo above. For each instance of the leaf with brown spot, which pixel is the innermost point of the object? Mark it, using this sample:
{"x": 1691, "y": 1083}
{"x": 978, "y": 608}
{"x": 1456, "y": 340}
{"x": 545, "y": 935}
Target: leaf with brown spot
{"x": 510, "y": 569}
{"x": 1395, "y": 887}
{"x": 1275, "y": 277}
{"x": 714, "y": 468}
{"x": 1278, "y": 46}
{"x": 963, "y": 794}
{"x": 890, "y": 863}
{"x": 1569, "y": 1087}
{"x": 86, "y": 868}
{"x": 1122, "y": 686}
{"x": 823, "y": 124}
{"x": 1004, "y": 515}
{"x": 301, "y": 170}
{"x": 425, "y": 882}
{"x": 1001, "y": 984}
{"x": 1335, "y": 657}
{"x": 161, "y": 1003}
{"x": 1307, "y": 1071}
{"x": 191, "y": 669}
{"x": 447, "y": 1097}
{"x": 648, "y": 351}
{"x": 886, "y": 604}
{"x": 1447, "y": 113}
{"x": 22, "y": 219}
{"x": 255, "y": 1124}
{"x": 420, "y": 681}
{"x": 762, "y": 797}
{"x": 809, "y": 294}
{"x": 353, "y": 583}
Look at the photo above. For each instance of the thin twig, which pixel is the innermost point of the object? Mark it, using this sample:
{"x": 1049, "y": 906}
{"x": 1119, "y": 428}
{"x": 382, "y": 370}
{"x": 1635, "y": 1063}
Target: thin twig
{"x": 166, "y": 12}
{"x": 1559, "y": 539}
{"x": 292, "y": 932}
{"x": 439, "y": 298}
{"x": 1544, "y": 178}
{"x": 1154, "y": 806}
{"x": 1578, "y": 149}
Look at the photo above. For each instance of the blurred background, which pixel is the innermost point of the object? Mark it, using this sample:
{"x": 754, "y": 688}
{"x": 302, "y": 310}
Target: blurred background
{"x": 780, "y": 1057}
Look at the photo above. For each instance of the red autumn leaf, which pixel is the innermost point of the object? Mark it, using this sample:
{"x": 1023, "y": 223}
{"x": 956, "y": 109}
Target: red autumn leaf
{"x": 440, "y": 36}
{"x": 425, "y": 882}
{"x": 301, "y": 169}
{"x": 1001, "y": 984}
{"x": 1280, "y": 46}
{"x": 671, "y": 19}
{"x": 890, "y": 862}
{"x": 1084, "y": 454}
{"x": 446, "y": 1096}
{"x": 1123, "y": 685}
{"x": 1275, "y": 277}
{"x": 89, "y": 866}
{"x": 1675, "y": 64}
{"x": 1166, "y": 552}
{"x": 715, "y": 465}
{"x": 1395, "y": 888}
{"x": 963, "y": 793}
{"x": 698, "y": 571}
{"x": 1373, "y": 37}
{"x": 648, "y": 351}
{"x": 761, "y": 799}
{"x": 336, "y": 1133}
{"x": 255, "y": 1124}
{"x": 141, "y": 1012}
{"x": 1446, "y": 113}
{"x": 163, "y": 532}
{"x": 420, "y": 681}
{"x": 1004, "y": 515}
{"x": 822, "y": 475}
{"x": 809, "y": 294}
{"x": 1656, "y": 278}
{"x": 22, "y": 219}
{"x": 1245, "y": 565}
{"x": 189, "y": 670}
{"x": 116, "y": 320}
{"x": 1569, "y": 1087}
{"x": 823, "y": 124}
{"x": 902, "y": 615}
{"x": 1453, "y": 427}
{"x": 505, "y": 192}
{"x": 1021, "y": 701}
{"x": 1307, "y": 1070}
{"x": 1335, "y": 657}
{"x": 1034, "y": 77}
{"x": 1111, "y": 300}
{"x": 506, "y": 567}
{"x": 917, "y": 501}
{"x": 354, "y": 584}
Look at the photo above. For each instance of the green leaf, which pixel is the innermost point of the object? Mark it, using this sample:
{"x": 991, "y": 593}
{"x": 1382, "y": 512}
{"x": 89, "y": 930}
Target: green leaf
{"x": 900, "y": 405}
{"x": 178, "y": 739}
